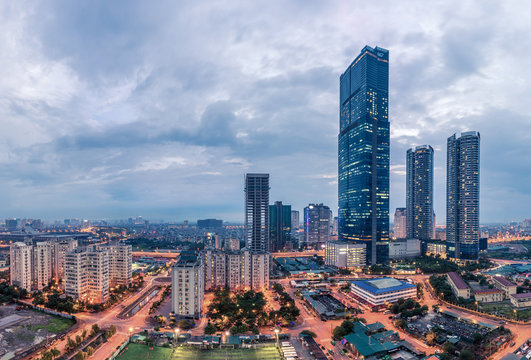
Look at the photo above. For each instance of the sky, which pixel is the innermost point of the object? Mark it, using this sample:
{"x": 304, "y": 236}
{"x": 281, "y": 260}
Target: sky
{"x": 116, "y": 109}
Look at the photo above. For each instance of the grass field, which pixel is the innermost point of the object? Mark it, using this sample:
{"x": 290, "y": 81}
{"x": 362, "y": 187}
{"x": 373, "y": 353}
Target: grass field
{"x": 505, "y": 309}
{"x": 55, "y": 325}
{"x": 139, "y": 351}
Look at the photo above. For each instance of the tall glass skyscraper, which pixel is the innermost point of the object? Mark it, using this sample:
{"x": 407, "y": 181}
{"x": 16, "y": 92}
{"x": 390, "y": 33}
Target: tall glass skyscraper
{"x": 419, "y": 193}
{"x": 462, "y": 196}
{"x": 257, "y": 212}
{"x": 363, "y": 154}
{"x": 279, "y": 225}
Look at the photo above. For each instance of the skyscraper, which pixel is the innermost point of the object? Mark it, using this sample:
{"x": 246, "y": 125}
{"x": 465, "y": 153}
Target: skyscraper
{"x": 363, "y": 153}
{"x": 419, "y": 193}
{"x": 295, "y": 220}
{"x": 279, "y": 225}
{"x": 399, "y": 228}
{"x": 462, "y": 196}
{"x": 257, "y": 212}
{"x": 316, "y": 225}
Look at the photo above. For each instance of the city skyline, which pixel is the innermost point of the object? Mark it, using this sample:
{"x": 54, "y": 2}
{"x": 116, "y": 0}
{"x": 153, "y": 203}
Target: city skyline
{"x": 96, "y": 126}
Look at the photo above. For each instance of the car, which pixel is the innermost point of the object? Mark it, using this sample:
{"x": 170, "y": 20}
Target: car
{"x": 512, "y": 344}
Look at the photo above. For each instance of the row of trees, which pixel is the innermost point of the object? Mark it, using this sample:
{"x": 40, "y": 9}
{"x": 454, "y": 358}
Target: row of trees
{"x": 288, "y": 311}
{"x": 408, "y": 308}
{"x": 10, "y": 292}
{"x": 54, "y": 301}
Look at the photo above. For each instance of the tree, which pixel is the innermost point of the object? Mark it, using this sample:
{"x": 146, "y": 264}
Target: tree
{"x": 448, "y": 347}
{"x": 81, "y": 355}
{"x": 210, "y": 329}
{"x": 55, "y": 353}
{"x": 78, "y": 340}
{"x": 84, "y": 334}
{"x": 185, "y": 324}
{"x": 112, "y": 328}
{"x": 401, "y": 323}
{"x": 308, "y": 332}
{"x": 466, "y": 355}
{"x": 95, "y": 329}
{"x": 477, "y": 338}
{"x": 431, "y": 338}
{"x": 90, "y": 350}
{"x": 47, "y": 355}
{"x": 70, "y": 344}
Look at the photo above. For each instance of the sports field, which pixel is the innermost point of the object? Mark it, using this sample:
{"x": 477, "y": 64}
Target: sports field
{"x": 139, "y": 351}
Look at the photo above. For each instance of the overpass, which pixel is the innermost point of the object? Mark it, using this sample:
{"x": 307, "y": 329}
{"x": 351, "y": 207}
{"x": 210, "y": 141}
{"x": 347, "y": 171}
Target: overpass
{"x": 169, "y": 255}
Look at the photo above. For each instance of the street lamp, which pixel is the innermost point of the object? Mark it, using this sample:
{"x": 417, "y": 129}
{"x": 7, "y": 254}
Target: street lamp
{"x": 130, "y": 333}
{"x": 276, "y": 334}
{"x": 477, "y": 306}
{"x": 227, "y": 336}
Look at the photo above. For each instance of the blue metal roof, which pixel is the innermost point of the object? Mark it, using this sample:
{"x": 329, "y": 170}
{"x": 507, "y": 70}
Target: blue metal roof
{"x": 366, "y": 285}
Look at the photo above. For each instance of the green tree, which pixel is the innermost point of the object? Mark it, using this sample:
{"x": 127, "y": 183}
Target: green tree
{"x": 70, "y": 344}
{"x": 47, "y": 356}
{"x": 466, "y": 355}
{"x": 78, "y": 340}
{"x": 210, "y": 329}
{"x": 401, "y": 323}
{"x": 448, "y": 347}
{"x": 84, "y": 334}
{"x": 308, "y": 332}
{"x": 431, "y": 338}
{"x": 55, "y": 353}
{"x": 477, "y": 338}
{"x": 185, "y": 324}
{"x": 95, "y": 329}
{"x": 90, "y": 350}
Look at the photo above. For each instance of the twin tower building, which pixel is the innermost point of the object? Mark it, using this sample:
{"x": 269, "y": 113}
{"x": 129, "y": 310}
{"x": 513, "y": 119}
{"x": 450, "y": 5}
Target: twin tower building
{"x": 363, "y": 170}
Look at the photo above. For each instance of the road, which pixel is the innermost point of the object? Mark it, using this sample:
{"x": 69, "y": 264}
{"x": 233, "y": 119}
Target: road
{"x": 105, "y": 319}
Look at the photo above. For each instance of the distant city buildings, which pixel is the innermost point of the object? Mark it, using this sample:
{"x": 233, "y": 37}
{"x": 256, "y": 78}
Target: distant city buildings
{"x": 316, "y": 225}
{"x": 343, "y": 255}
{"x": 419, "y": 193}
{"x": 363, "y": 153}
{"x": 188, "y": 280}
{"x": 462, "y": 196}
{"x": 209, "y": 224}
{"x": 399, "y": 227}
{"x": 279, "y": 226}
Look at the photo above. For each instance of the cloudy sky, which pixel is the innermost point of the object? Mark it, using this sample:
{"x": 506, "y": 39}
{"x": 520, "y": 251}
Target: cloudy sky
{"x": 112, "y": 109}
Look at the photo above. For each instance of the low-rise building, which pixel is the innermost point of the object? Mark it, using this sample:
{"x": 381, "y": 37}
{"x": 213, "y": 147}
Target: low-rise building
{"x": 377, "y": 292}
{"x": 505, "y": 285}
{"x": 403, "y": 249}
{"x": 458, "y": 285}
{"x": 488, "y": 295}
{"x": 520, "y": 300}
{"x": 434, "y": 248}
{"x": 343, "y": 255}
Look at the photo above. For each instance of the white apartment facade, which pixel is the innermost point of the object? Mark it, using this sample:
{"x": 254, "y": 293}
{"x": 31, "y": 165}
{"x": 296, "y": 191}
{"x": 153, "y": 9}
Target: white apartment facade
{"x": 188, "y": 281}
{"x": 20, "y": 268}
{"x": 120, "y": 263}
{"x": 343, "y": 255}
{"x": 87, "y": 275}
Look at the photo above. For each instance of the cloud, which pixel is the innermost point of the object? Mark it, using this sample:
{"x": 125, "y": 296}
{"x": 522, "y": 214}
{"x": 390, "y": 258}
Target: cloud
{"x": 128, "y": 108}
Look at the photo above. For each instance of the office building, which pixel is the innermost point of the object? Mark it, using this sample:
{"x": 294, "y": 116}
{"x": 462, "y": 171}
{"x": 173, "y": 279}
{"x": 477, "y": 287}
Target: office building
{"x": 188, "y": 281}
{"x": 382, "y": 291}
{"x": 12, "y": 224}
{"x": 363, "y": 153}
{"x": 419, "y": 193}
{"x": 209, "y": 224}
{"x": 120, "y": 263}
{"x": 462, "y": 196}
{"x": 316, "y": 225}
{"x": 404, "y": 249}
{"x": 343, "y": 255}
{"x": 399, "y": 227}
{"x": 458, "y": 285}
{"x": 436, "y": 248}
{"x": 20, "y": 256}
{"x": 257, "y": 212}
{"x": 295, "y": 223}
{"x": 279, "y": 226}
{"x": 87, "y": 275}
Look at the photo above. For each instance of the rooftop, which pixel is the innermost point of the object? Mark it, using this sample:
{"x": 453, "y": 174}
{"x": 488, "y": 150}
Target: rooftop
{"x": 487, "y": 291}
{"x": 382, "y": 285}
{"x": 503, "y": 281}
{"x": 522, "y": 296}
{"x": 456, "y": 279}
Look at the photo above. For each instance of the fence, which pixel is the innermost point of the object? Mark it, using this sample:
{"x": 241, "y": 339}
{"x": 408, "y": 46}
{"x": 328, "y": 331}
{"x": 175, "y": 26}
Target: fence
{"x": 117, "y": 352}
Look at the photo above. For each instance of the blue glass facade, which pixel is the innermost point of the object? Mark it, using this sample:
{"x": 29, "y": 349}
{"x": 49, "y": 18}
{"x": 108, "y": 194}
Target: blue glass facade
{"x": 363, "y": 153}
